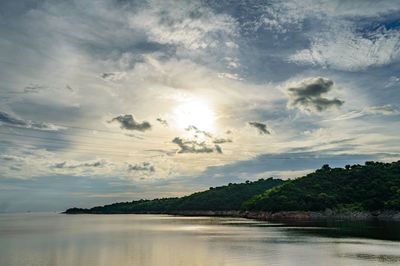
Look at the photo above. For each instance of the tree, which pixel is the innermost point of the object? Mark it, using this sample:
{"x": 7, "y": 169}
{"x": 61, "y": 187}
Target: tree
{"x": 326, "y": 167}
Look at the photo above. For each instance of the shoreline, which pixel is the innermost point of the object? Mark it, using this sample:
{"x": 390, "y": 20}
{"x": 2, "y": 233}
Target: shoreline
{"x": 280, "y": 216}
{"x": 297, "y": 215}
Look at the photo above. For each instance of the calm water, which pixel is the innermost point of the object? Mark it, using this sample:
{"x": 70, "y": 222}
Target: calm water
{"x": 73, "y": 240}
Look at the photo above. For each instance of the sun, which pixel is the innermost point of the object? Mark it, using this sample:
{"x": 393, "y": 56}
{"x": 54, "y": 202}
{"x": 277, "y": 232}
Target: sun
{"x": 195, "y": 112}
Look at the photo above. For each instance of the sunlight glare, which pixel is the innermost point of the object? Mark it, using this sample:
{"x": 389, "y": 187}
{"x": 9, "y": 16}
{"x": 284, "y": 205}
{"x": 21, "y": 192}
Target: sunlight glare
{"x": 196, "y": 113}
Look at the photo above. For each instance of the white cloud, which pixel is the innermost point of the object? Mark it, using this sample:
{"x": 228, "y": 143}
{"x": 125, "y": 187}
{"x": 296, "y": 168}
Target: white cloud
{"x": 372, "y": 110}
{"x": 284, "y": 16}
{"x": 345, "y": 49}
{"x": 229, "y": 76}
{"x": 192, "y": 25}
{"x": 393, "y": 81}
{"x": 334, "y": 29}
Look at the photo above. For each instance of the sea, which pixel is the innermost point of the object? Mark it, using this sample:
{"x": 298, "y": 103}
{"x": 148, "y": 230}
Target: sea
{"x": 52, "y": 239}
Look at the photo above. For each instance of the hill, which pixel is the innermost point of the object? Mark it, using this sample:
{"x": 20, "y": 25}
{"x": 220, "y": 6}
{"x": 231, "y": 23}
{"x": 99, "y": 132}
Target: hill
{"x": 370, "y": 187}
{"x": 365, "y": 188}
{"x": 223, "y": 198}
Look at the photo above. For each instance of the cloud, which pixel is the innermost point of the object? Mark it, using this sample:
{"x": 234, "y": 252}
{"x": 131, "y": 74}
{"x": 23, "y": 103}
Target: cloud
{"x": 221, "y": 140}
{"x": 234, "y": 76}
{"x": 129, "y": 123}
{"x": 393, "y": 81}
{"x": 262, "y": 128}
{"x": 11, "y": 158}
{"x": 290, "y": 15}
{"x": 69, "y": 88}
{"x": 193, "y": 146}
{"x": 143, "y": 167}
{"x": 384, "y": 110}
{"x": 70, "y": 165}
{"x": 198, "y": 131}
{"x": 34, "y": 88}
{"x": 11, "y": 120}
{"x": 162, "y": 121}
{"x": 113, "y": 76}
{"x": 133, "y": 136}
{"x": 345, "y": 49}
{"x": 372, "y": 110}
{"x": 218, "y": 149}
{"x": 192, "y": 25}
{"x": 207, "y": 135}
{"x": 307, "y": 95}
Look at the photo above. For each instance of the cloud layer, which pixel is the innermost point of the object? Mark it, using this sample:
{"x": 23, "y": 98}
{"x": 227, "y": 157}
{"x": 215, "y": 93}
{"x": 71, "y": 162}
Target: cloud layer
{"x": 345, "y": 49}
{"x": 292, "y": 68}
{"x": 8, "y": 119}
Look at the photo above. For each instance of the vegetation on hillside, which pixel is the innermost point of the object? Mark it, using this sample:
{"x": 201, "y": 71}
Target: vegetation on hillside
{"x": 370, "y": 187}
{"x": 224, "y": 198}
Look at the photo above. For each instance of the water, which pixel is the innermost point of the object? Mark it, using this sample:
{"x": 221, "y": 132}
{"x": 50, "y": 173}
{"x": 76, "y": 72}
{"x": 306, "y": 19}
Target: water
{"x": 73, "y": 240}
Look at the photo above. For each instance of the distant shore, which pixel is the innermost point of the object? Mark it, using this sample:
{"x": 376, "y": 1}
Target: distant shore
{"x": 297, "y": 215}
{"x": 281, "y": 216}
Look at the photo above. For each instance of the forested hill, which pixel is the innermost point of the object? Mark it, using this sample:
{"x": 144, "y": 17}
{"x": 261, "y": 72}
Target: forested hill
{"x": 224, "y": 198}
{"x": 370, "y": 187}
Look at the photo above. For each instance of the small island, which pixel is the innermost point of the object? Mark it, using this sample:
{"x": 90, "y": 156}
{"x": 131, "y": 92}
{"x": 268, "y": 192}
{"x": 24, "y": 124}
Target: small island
{"x": 369, "y": 191}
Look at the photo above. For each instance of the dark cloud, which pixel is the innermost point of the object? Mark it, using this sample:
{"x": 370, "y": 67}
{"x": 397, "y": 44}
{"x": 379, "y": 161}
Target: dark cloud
{"x": 262, "y": 128}
{"x": 133, "y": 136}
{"x": 218, "y": 148}
{"x": 66, "y": 165}
{"x": 33, "y": 88}
{"x": 129, "y": 123}
{"x": 11, "y": 120}
{"x": 15, "y": 168}
{"x": 198, "y": 131}
{"x": 113, "y": 76}
{"x": 208, "y": 135}
{"x": 307, "y": 95}
{"x": 193, "y": 146}
{"x": 106, "y": 75}
{"x": 69, "y": 88}
{"x": 143, "y": 167}
{"x": 221, "y": 140}
{"x": 10, "y": 158}
{"x": 162, "y": 121}
{"x": 162, "y": 151}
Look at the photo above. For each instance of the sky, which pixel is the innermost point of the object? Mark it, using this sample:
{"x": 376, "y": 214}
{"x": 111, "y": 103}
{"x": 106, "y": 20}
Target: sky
{"x": 118, "y": 100}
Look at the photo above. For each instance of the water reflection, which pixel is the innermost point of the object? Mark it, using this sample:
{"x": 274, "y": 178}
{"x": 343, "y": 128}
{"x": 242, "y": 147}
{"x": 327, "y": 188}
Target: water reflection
{"x": 343, "y": 229}
{"x": 52, "y": 239}
{"x": 373, "y": 257}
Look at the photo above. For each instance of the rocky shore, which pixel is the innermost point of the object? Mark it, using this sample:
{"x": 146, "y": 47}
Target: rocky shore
{"x": 297, "y": 215}
{"x": 279, "y": 216}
